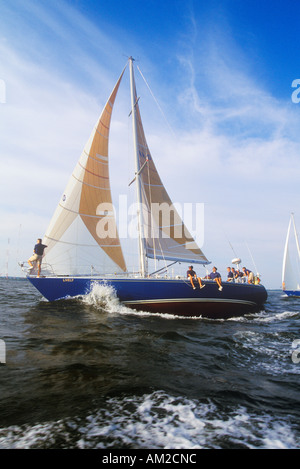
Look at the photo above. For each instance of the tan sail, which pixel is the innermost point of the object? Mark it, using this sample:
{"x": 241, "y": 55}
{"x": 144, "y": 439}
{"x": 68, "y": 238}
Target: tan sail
{"x": 165, "y": 235}
{"x": 84, "y": 219}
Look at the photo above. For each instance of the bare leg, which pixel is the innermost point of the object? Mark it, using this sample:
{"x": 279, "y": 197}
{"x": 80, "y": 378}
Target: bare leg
{"x": 191, "y": 280}
{"x": 32, "y": 264}
{"x": 200, "y": 282}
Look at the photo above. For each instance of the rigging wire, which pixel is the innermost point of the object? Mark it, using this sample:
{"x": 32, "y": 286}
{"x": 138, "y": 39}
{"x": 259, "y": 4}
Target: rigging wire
{"x": 251, "y": 257}
{"x": 148, "y": 173}
{"x": 157, "y": 103}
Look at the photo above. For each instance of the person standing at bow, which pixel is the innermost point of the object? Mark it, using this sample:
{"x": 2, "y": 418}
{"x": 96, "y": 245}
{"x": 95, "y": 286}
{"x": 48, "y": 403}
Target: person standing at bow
{"x": 38, "y": 252}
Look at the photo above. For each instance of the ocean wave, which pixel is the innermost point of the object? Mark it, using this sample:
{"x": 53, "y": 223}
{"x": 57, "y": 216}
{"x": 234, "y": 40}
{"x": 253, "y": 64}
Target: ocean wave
{"x": 158, "y": 421}
{"x": 267, "y": 351}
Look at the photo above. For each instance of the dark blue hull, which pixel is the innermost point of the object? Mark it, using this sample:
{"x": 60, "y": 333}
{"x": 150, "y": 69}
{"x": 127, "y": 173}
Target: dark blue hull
{"x": 292, "y": 292}
{"x": 175, "y": 297}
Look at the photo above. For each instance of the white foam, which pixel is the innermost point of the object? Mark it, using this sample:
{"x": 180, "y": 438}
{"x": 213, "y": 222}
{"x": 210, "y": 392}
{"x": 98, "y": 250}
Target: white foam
{"x": 104, "y": 296}
{"x": 276, "y": 316}
{"x": 270, "y": 352}
{"x": 158, "y": 420}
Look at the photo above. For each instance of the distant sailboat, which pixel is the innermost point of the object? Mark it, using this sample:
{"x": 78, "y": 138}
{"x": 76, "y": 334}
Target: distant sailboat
{"x": 80, "y": 253}
{"x": 291, "y": 261}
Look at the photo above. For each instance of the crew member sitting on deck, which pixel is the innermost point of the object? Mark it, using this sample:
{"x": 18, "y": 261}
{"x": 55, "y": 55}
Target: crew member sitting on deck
{"x": 238, "y": 276}
{"x": 233, "y": 273}
{"x": 191, "y": 274}
{"x": 248, "y": 274}
{"x": 230, "y": 276}
{"x": 214, "y": 275}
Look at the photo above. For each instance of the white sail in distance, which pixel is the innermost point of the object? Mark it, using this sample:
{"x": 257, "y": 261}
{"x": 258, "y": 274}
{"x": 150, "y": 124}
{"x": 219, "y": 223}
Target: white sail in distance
{"x": 291, "y": 259}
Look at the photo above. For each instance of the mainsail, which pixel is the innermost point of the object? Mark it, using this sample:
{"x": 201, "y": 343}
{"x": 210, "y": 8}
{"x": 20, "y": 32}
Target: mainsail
{"x": 84, "y": 220}
{"x": 163, "y": 232}
{"x": 291, "y": 259}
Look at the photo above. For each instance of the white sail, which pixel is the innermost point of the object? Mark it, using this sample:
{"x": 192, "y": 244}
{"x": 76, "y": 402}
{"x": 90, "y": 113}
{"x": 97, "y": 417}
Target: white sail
{"x": 164, "y": 235}
{"x": 291, "y": 259}
{"x": 82, "y": 237}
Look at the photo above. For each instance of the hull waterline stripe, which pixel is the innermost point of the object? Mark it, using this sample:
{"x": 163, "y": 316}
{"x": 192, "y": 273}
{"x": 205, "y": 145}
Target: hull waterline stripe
{"x": 191, "y": 300}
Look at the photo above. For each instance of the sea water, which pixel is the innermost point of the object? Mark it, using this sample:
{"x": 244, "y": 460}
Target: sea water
{"x": 89, "y": 373}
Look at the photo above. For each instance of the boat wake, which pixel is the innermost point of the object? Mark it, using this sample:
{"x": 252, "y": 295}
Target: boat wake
{"x": 104, "y": 298}
{"x": 265, "y": 317}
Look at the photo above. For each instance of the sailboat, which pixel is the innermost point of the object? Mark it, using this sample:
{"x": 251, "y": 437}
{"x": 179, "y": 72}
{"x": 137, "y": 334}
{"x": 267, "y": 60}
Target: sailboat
{"x": 84, "y": 248}
{"x": 291, "y": 261}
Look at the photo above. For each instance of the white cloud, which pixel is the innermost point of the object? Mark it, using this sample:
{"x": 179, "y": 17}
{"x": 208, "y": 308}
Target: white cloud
{"x": 241, "y": 158}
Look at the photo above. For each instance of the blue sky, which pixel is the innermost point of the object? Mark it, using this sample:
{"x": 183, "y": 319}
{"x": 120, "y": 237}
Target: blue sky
{"x": 222, "y": 74}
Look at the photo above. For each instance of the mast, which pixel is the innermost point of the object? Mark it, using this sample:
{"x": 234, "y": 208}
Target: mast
{"x": 137, "y": 171}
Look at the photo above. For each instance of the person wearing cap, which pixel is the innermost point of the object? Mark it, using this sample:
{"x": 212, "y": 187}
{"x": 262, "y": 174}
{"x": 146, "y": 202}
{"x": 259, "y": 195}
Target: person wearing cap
{"x": 191, "y": 274}
{"x": 214, "y": 275}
